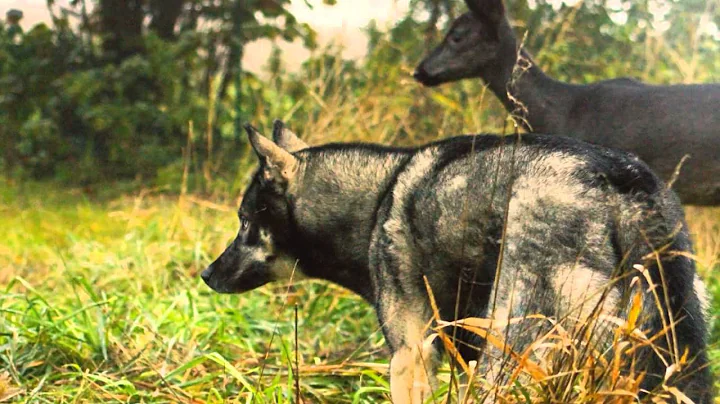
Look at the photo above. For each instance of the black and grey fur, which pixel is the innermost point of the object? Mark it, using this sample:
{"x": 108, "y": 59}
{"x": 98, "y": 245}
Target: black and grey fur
{"x": 568, "y": 219}
{"x": 660, "y": 124}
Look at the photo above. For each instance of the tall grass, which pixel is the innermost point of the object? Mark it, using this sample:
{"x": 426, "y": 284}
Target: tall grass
{"x": 102, "y": 303}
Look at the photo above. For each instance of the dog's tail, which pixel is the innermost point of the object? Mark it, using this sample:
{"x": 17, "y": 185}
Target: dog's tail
{"x": 654, "y": 246}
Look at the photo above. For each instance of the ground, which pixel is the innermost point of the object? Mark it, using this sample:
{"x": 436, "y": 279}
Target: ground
{"x": 101, "y": 302}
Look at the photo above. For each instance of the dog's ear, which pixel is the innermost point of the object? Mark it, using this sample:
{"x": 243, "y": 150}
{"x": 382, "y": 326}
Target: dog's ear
{"x": 491, "y": 10}
{"x": 279, "y": 164}
{"x": 286, "y": 139}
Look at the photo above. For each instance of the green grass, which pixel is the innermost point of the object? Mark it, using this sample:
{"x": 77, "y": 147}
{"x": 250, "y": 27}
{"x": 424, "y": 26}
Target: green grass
{"x": 101, "y": 302}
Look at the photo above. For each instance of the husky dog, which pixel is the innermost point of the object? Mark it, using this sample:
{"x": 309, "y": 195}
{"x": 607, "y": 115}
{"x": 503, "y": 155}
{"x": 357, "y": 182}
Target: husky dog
{"x": 501, "y": 227}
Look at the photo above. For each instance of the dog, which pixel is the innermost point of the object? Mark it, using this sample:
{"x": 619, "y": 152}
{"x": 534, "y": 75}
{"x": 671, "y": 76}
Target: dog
{"x": 487, "y": 226}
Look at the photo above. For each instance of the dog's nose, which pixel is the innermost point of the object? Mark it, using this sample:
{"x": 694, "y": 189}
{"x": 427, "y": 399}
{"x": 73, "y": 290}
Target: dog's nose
{"x": 205, "y": 275}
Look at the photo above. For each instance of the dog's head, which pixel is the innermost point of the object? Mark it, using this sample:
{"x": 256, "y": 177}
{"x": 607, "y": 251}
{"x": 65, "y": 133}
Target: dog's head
{"x": 257, "y": 256}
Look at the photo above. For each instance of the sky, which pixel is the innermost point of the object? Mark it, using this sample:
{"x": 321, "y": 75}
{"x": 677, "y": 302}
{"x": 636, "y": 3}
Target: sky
{"x": 342, "y": 23}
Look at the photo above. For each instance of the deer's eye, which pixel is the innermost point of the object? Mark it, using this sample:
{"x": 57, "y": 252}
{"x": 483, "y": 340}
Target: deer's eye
{"x": 456, "y": 36}
{"x": 244, "y": 222}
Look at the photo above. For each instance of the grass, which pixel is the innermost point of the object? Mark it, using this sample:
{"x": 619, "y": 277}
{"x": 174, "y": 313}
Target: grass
{"x": 101, "y": 302}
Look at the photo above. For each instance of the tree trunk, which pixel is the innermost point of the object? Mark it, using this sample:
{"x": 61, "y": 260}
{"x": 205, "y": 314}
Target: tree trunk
{"x": 121, "y": 25}
{"x": 165, "y": 14}
{"x": 431, "y": 28}
{"x": 235, "y": 48}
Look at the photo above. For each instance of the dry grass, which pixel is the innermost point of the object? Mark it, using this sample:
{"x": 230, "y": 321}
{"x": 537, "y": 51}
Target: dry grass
{"x": 570, "y": 362}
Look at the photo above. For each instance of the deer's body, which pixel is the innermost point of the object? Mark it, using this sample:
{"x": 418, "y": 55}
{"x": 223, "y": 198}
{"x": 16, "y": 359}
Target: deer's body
{"x": 660, "y": 124}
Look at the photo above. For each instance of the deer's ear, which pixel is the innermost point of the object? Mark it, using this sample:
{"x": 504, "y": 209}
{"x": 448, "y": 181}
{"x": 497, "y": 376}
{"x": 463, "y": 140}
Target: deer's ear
{"x": 491, "y": 10}
{"x": 279, "y": 164}
{"x": 286, "y": 139}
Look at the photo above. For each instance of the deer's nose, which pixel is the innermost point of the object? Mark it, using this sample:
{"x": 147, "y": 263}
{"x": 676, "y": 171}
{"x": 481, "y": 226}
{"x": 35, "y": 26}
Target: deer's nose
{"x": 421, "y": 74}
{"x": 206, "y": 274}
{"x": 418, "y": 73}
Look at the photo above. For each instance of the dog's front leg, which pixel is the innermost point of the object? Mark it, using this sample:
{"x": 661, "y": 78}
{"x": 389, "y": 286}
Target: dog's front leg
{"x": 414, "y": 357}
{"x": 412, "y": 373}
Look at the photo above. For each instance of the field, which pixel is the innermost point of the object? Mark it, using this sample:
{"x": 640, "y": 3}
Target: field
{"x": 101, "y": 302}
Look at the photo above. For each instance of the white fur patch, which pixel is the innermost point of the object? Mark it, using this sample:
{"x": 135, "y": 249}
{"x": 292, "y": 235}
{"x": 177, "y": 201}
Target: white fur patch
{"x": 702, "y": 295}
{"x": 416, "y": 170}
{"x": 283, "y": 268}
{"x": 551, "y": 178}
{"x": 457, "y": 183}
{"x": 412, "y": 367}
{"x": 562, "y": 164}
{"x": 580, "y": 288}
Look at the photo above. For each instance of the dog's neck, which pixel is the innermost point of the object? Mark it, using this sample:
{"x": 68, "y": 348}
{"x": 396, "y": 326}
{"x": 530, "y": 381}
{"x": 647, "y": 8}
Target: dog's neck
{"x": 334, "y": 208}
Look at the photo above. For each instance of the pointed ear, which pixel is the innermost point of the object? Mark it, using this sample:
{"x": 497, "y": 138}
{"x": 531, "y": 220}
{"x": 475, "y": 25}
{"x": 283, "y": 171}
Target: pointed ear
{"x": 286, "y": 139}
{"x": 280, "y": 164}
{"x": 492, "y": 10}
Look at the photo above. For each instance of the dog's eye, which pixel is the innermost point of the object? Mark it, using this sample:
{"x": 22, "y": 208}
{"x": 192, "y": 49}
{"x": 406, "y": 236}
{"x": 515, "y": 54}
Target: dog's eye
{"x": 244, "y": 222}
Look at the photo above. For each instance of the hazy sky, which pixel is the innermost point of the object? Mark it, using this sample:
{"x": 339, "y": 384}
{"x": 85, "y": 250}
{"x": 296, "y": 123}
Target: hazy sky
{"x": 341, "y": 22}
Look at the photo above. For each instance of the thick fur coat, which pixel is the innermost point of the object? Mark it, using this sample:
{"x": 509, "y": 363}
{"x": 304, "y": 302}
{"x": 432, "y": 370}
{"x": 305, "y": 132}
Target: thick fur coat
{"x": 501, "y": 228}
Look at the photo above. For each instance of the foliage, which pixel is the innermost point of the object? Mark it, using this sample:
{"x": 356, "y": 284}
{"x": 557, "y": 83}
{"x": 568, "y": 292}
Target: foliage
{"x": 112, "y": 99}
{"x": 654, "y": 41}
{"x": 80, "y": 107}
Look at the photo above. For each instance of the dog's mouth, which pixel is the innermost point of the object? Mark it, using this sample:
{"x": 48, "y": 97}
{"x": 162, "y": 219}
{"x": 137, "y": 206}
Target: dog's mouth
{"x": 251, "y": 278}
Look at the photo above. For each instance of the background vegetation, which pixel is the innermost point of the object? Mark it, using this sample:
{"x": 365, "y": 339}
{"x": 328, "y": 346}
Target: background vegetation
{"x": 122, "y": 163}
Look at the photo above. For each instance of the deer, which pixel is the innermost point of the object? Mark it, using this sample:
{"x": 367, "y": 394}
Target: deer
{"x": 661, "y": 124}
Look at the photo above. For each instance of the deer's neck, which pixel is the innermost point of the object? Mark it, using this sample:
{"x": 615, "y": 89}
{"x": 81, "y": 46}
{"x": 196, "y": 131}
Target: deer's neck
{"x": 541, "y": 103}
